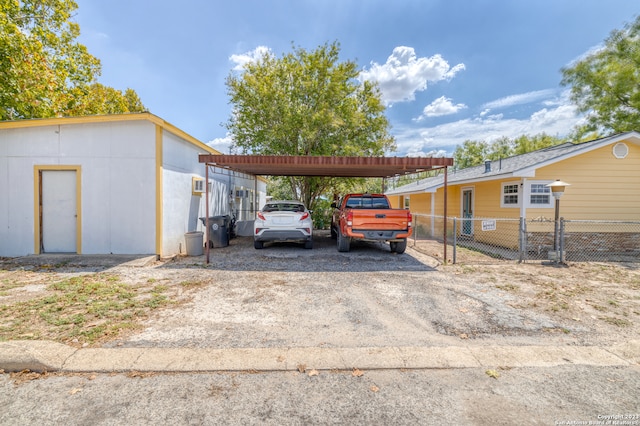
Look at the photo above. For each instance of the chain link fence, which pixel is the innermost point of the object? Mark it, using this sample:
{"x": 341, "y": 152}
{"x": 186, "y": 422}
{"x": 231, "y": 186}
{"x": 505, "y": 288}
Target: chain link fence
{"x": 488, "y": 239}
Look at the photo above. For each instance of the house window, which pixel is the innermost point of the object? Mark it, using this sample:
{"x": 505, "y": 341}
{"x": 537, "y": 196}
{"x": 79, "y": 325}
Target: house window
{"x": 510, "y": 195}
{"x": 197, "y": 186}
{"x": 540, "y": 195}
{"x": 406, "y": 202}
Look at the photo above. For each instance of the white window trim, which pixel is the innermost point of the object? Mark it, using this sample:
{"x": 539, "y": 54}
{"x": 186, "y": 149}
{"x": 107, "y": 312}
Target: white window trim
{"x": 197, "y": 186}
{"x": 502, "y": 194}
{"x": 527, "y": 195}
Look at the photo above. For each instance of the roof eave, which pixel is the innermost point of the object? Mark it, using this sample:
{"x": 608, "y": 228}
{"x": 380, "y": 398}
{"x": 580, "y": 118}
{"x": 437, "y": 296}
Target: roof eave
{"x": 530, "y": 171}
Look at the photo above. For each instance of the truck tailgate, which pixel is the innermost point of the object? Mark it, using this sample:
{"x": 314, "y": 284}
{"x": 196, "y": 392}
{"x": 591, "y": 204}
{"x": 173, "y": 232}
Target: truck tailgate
{"x": 386, "y": 219}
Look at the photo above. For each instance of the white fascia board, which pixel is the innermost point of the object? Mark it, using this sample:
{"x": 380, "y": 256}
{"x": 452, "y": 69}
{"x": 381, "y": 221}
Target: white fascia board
{"x": 415, "y": 191}
{"x": 481, "y": 179}
{"x": 433, "y": 189}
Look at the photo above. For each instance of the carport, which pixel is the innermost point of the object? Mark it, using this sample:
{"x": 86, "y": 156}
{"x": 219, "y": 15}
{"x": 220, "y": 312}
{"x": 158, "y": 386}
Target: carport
{"x": 327, "y": 166}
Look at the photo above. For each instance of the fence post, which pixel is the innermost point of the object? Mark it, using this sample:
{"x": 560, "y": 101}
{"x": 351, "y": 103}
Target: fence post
{"x": 561, "y": 242}
{"x": 415, "y": 228}
{"x": 521, "y": 240}
{"x": 455, "y": 239}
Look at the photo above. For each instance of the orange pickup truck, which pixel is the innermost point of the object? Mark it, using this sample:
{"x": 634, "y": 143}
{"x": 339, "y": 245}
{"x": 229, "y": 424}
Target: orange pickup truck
{"x": 370, "y": 217}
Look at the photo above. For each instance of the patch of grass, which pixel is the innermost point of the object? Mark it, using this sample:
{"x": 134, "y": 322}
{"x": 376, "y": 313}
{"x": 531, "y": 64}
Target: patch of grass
{"x": 562, "y": 305}
{"x": 191, "y": 284}
{"x": 508, "y": 287}
{"x": 87, "y": 308}
{"x": 7, "y": 284}
{"x": 619, "y": 322}
{"x": 466, "y": 269}
{"x": 598, "y": 308}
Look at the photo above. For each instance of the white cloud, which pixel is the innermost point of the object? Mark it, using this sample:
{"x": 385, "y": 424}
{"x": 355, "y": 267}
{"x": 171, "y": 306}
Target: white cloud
{"x": 222, "y": 145}
{"x": 439, "y": 107}
{"x": 415, "y": 140}
{"x": 404, "y": 74}
{"x": 248, "y": 57}
{"x": 520, "y": 99}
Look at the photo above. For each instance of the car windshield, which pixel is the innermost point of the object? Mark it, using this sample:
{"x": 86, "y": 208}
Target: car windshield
{"x": 283, "y": 207}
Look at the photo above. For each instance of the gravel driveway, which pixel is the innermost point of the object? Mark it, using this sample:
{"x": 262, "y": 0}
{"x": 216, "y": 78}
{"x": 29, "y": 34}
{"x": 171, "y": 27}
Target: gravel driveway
{"x": 287, "y": 296}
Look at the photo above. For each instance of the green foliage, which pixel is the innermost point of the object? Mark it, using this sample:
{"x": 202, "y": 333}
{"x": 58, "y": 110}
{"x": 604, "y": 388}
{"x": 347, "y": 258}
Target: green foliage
{"x": 307, "y": 103}
{"x": 606, "y": 83}
{"x": 321, "y": 214}
{"x": 473, "y": 153}
{"x": 44, "y": 71}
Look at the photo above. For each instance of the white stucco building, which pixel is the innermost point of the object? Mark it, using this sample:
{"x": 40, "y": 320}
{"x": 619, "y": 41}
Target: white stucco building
{"x": 121, "y": 184}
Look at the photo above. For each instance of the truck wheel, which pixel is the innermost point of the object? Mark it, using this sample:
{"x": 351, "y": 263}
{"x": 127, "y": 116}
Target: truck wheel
{"x": 343, "y": 242}
{"x": 398, "y": 247}
{"x": 258, "y": 244}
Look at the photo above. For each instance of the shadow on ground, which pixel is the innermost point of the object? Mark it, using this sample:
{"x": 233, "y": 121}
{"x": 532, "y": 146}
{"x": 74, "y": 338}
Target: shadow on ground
{"x": 240, "y": 255}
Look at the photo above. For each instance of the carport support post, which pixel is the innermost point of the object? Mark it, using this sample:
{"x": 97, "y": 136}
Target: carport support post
{"x": 445, "y": 214}
{"x": 206, "y": 198}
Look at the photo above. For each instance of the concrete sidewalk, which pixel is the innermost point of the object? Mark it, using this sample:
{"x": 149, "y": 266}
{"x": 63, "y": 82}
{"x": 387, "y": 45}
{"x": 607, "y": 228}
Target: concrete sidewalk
{"x": 50, "y": 356}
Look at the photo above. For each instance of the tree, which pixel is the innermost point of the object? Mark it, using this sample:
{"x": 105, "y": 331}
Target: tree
{"x": 606, "y": 83}
{"x": 473, "y": 153}
{"x": 44, "y": 71}
{"x": 306, "y": 103}
{"x": 526, "y": 143}
{"x": 100, "y": 99}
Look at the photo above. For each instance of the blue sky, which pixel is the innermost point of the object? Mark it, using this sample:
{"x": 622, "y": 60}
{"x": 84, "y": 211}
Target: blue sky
{"x": 449, "y": 70}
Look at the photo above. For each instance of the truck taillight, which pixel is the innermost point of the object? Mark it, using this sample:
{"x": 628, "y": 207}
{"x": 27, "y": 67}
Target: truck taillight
{"x": 409, "y": 219}
{"x": 350, "y": 219}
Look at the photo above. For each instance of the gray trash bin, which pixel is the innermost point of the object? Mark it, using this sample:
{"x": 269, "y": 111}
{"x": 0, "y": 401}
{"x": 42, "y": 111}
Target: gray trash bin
{"x": 193, "y": 243}
{"x": 218, "y": 230}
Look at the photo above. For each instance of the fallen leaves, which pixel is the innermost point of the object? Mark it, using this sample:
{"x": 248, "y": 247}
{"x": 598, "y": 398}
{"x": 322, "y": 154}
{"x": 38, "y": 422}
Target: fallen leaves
{"x": 492, "y": 373}
{"x": 357, "y": 373}
{"x": 25, "y": 376}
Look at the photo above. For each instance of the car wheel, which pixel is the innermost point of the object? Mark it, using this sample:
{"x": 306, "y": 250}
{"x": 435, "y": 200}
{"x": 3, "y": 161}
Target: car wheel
{"x": 343, "y": 242}
{"x": 398, "y": 247}
{"x": 258, "y": 244}
{"x": 308, "y": 244}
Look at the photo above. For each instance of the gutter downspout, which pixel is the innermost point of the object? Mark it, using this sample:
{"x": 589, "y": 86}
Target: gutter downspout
{"x": 445, "y": 214}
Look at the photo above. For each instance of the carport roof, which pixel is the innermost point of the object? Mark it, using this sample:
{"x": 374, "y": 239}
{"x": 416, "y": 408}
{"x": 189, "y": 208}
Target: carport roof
{"x": 293, "y": 165}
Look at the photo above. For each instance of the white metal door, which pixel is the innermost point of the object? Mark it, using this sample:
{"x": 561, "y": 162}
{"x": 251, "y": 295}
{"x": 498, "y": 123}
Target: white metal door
{"x": 59, "y": 211}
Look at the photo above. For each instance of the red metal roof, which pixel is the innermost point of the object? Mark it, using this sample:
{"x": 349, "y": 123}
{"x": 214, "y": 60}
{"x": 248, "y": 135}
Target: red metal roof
{"x": 292, "y": 165}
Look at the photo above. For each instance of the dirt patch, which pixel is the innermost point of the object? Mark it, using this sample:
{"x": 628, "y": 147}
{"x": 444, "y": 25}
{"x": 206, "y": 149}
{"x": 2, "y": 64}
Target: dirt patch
{"x": 603, "y": 298}
{"x": 285, "y": 295}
